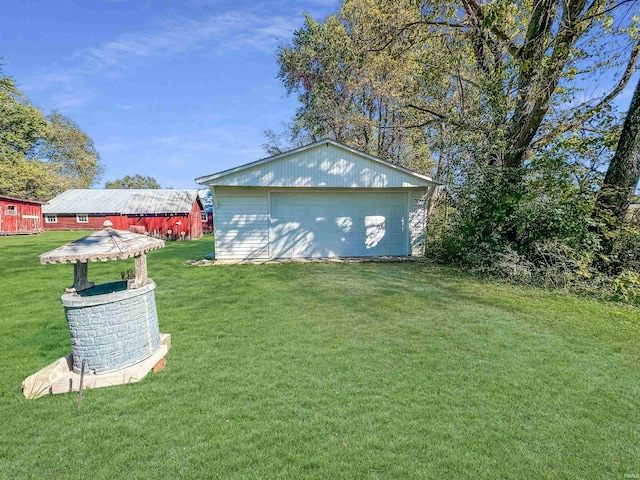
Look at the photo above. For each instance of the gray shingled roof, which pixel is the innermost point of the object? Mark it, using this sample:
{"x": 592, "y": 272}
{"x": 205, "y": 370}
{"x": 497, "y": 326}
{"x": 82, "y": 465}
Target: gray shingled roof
{"x": 103, "y": 245}
{"x": 122, "y": 201}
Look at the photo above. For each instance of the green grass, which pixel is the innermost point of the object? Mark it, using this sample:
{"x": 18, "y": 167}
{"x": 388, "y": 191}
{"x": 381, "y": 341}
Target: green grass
{"x": 326, "y": 371}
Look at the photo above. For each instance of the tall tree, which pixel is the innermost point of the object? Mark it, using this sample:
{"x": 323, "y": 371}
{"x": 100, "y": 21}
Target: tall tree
{"x": 135, "y": 181}
{"x": 70, "y": 152}
{"x": 623, "y": 173}
{"x": 544, "y": 43}
{"x": 351, "y": 93}
{"x": 500, "y": 76}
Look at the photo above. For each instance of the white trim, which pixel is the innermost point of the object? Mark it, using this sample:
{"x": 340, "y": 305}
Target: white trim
{"x": 31, "y": 216}
{"x": 12, "y": 210}
{"x": 269, "y": 220}
{"x": 407, "y": 222}
{"x": 50, "y": 218}
{"x": 204, "y": 216}
{"x": 84, "y": 216}
{"x": 214, "y": 198}
{"x": 208, "y": 178}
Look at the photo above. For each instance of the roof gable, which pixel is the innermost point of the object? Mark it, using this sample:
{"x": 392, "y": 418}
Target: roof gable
{"x": 323, "y": 164}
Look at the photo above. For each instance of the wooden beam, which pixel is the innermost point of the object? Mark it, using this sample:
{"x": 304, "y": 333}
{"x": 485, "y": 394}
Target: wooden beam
{"x": 80, "y": 280}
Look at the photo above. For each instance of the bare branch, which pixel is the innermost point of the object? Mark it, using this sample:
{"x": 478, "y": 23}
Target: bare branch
{"x": 580, "y": 119}
{"x": 473, "y": 9}
{"x": 588, "y": 16}
{"x": 429, "y": 111}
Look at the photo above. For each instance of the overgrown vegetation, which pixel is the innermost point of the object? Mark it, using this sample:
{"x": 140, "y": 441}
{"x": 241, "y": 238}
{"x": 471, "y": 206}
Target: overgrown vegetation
{"x": 492, "y": 98}
{"x": 326, "y": 371}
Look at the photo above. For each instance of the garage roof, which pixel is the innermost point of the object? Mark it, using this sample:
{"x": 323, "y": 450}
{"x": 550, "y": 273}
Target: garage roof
{"x": 326, "y": 163}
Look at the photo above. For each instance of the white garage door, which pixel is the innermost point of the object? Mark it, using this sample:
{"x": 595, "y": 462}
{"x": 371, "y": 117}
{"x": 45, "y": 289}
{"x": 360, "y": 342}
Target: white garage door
{"x": 338, "y": 224}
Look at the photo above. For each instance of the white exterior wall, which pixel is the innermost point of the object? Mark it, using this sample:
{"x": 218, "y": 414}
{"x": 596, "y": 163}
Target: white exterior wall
{"x": 417, "y": 221}
{"x": 242, "y": 220}
{"x": 325, "y": 165}
{"x": 241, "y": 223}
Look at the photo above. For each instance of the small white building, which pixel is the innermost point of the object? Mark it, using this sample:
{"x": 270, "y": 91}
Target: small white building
{"x": 320, "y": 200}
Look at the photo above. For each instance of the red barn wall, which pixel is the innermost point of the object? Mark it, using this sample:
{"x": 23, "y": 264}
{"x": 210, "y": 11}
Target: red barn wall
{"x": 155, "y": 225}
{"x": 96, "y": 222}
{"x": 207, "y": 225}
{"x": 18, "y": 224}
{"x": 159, "y": 226}
{"x": 196, "y": 220}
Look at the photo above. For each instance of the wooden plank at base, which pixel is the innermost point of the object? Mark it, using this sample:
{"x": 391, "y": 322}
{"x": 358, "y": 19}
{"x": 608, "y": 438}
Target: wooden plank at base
{"x": 160, "y": 365}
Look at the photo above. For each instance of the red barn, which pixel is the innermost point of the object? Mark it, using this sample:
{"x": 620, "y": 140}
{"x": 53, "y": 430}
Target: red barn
{"x": 19, "y": 216}
{"x": 207, "y": 222}
{"x": 165, "y": 213}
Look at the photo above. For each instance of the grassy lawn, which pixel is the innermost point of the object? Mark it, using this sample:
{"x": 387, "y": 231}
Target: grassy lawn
{"x": 326, "y": 371}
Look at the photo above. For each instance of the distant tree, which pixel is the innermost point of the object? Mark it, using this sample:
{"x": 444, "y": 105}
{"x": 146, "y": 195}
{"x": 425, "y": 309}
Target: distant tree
{"x": 41, "y": 156}
{"x": 136, "y": 181}
{"x": 70, "y": 152}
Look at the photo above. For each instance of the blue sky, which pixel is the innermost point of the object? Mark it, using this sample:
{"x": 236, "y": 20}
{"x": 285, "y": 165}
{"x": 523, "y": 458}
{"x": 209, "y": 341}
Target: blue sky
{"x": 174, "y": 90}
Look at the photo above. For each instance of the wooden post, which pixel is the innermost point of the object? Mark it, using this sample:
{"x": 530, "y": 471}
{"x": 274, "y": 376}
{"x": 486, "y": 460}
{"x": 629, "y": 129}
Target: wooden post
{"x": 80, "y": 281}
{"x": 141, "y": 272}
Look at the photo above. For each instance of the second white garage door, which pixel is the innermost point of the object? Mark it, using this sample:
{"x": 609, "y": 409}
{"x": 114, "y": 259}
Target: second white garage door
{"x": 307, "y": 225}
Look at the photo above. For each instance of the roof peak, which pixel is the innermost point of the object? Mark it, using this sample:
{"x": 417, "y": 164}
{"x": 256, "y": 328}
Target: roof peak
{"x": 425, "y": 180}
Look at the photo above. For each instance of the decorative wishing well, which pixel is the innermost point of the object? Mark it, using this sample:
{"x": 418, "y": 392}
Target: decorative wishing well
{"x": 113, "y": 326}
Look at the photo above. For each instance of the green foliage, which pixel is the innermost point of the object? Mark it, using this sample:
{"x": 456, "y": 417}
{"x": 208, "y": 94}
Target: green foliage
{"x": 547, "y": 232}
{"x": 21, "y": 124}
{"x": 28, "y": 179}
{"x": 626, "y": 286}
{"x": 41, "y": 156}
{"x": 353, "y": 91}
{"x": 135, "y": 181}
{"x": 70, "y": 152}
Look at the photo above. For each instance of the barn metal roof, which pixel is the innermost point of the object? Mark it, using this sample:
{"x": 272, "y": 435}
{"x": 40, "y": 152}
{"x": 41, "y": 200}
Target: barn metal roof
{"x": 122, "y": 201}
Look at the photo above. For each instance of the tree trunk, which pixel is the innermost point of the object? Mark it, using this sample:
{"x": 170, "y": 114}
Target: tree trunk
{"x": 624, "y": 170}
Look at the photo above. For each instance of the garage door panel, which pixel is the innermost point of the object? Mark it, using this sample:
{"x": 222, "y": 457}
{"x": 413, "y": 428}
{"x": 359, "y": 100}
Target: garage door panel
{"x": 337, "y": 224}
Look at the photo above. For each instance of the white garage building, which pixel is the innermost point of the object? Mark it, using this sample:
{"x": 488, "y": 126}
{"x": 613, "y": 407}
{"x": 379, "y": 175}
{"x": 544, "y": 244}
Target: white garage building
{"x": 320, "y": 200}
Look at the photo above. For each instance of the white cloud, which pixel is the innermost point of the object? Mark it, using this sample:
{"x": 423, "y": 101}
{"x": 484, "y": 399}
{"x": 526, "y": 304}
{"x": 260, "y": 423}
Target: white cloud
{"x": 66, "y": 101}
{"x": 220, "y": 33}
{"x": 233, "y": 30}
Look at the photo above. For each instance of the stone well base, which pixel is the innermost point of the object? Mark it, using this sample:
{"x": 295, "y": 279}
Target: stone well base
{"x": 59, "y": 376}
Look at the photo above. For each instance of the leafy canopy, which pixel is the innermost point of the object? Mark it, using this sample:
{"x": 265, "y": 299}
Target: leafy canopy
{"x": 135, "y": 181}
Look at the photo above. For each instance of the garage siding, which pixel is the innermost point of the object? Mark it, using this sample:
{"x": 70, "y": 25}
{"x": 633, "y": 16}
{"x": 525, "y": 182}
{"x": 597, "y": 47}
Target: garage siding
{"x": 338, "y": 224}
{"x": 322, "y": 166}
{"x": 417, "y": 221}
{"x": 242, "y": 220}
{"x": 241, "y": 223}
